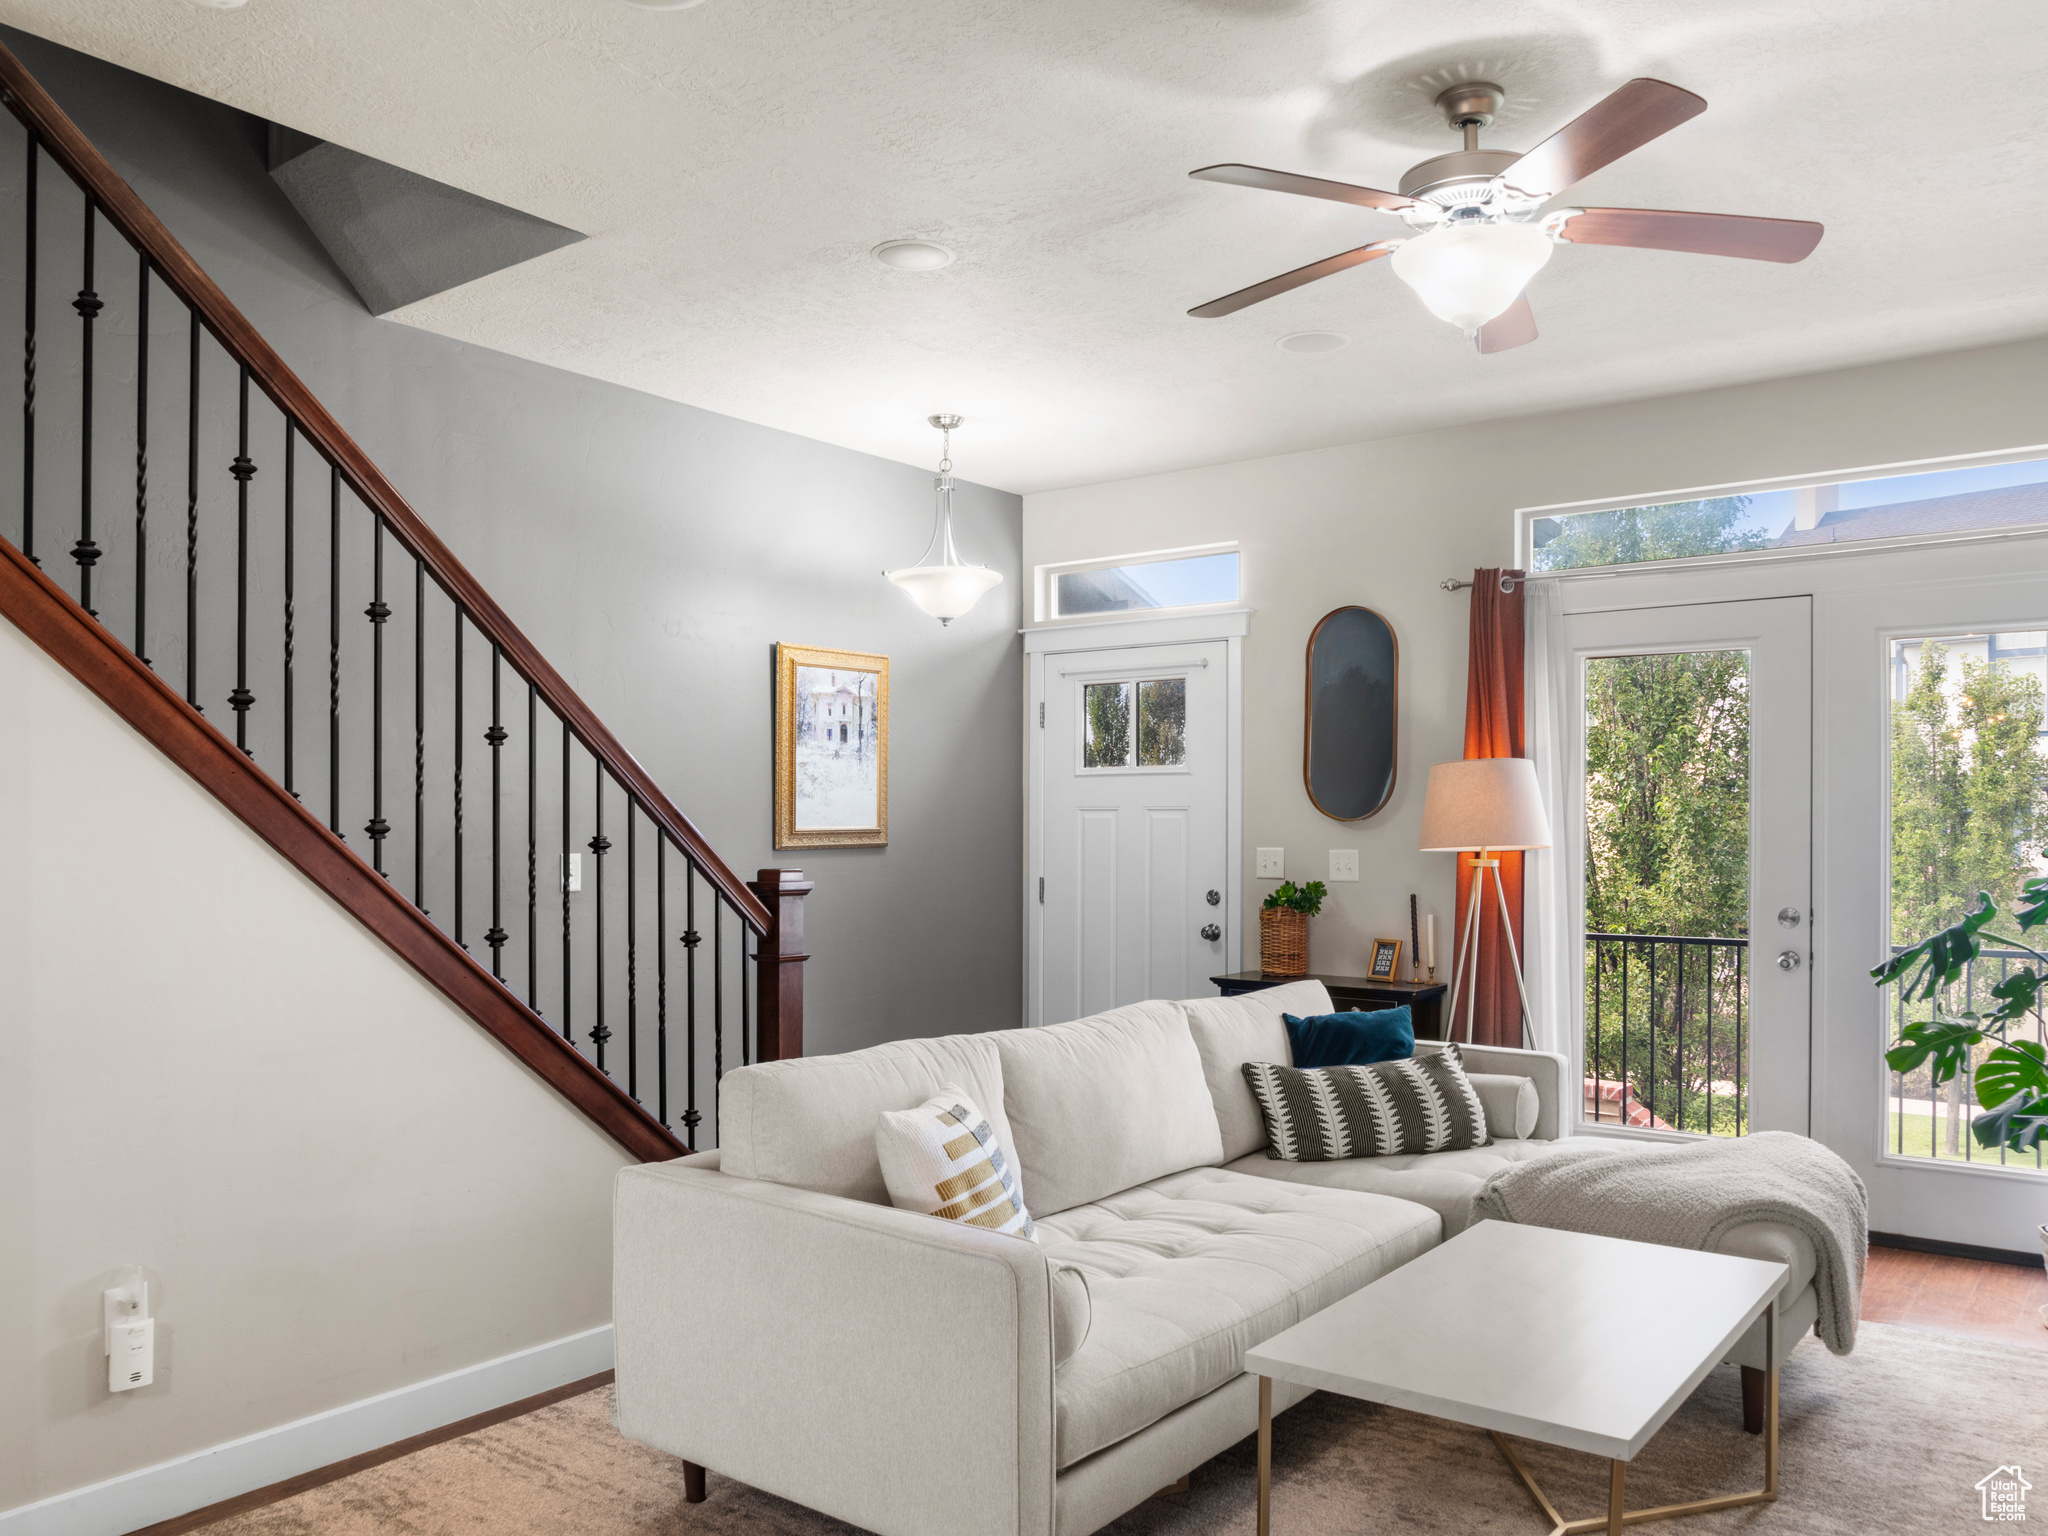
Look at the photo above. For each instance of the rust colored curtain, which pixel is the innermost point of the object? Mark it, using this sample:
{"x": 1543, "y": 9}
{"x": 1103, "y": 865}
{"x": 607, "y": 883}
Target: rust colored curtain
{"x": 1494, "y": 728}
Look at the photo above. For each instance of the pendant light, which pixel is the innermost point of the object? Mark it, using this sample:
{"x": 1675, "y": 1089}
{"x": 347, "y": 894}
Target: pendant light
{"x": 941, "y": 583}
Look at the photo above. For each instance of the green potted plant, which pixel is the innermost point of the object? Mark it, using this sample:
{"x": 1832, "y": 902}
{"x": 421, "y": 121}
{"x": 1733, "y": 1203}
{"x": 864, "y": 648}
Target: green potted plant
{"x": 1283, "y": 927}
{"x": 2012, "y": 1079}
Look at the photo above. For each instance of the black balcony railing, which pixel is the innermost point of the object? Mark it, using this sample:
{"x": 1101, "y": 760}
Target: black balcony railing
{"x": 1930, "y": 1122}
{"x": 1667, "y": 1032}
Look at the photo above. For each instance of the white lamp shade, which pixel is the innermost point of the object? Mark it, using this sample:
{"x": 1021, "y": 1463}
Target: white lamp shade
{"x": 1468, "y": 273}
{"x": 946, "y": 591}
{"x": 1483, "y": 802}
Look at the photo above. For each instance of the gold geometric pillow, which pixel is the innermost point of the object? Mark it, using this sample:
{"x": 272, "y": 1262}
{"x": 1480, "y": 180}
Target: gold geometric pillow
{"x": 943, "y": 1158}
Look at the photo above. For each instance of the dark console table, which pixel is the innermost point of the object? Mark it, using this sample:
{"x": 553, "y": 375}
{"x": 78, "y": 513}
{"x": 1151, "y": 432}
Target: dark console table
{"x": 1425, "y": 999}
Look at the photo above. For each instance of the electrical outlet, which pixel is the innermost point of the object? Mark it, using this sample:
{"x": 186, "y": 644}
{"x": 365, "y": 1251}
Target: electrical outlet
{"x": 1272, "y": 863}
{"x": 1343, "y": 863}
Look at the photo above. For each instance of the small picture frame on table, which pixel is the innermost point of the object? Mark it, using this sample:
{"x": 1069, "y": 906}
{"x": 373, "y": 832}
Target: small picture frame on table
{"x": 1386, "y": 960}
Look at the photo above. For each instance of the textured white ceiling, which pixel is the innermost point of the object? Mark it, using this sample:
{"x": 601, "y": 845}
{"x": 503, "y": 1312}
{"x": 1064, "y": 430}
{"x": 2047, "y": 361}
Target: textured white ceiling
{"x": 734, "y": 163}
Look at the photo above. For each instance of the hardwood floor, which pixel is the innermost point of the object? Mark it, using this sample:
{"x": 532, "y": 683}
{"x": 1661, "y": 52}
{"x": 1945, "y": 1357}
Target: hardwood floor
{"x": 1950, "y": 1295}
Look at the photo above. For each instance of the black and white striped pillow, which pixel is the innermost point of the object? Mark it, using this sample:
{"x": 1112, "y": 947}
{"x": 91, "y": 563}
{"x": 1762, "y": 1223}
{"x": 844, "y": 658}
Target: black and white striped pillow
{"x": 1321, "y": 1114}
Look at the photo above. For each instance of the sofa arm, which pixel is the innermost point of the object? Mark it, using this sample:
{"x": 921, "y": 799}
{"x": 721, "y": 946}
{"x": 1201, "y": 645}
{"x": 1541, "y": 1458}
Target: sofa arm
{"x": 1548, "y": 1070}
{"x": 882, "y": 1366}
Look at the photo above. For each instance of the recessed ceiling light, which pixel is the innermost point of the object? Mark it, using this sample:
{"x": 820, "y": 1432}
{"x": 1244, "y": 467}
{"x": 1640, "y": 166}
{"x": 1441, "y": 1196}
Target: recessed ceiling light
{"x": 912, "y": 255}
{"x": 1312, "y": 341}
{"x": 650, "y": 5}
{"x": 218, "y": 5}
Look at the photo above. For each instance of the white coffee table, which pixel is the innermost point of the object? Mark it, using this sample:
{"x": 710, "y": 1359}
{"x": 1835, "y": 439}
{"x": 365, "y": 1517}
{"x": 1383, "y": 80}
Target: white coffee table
{"x": 1585, "y": 1342}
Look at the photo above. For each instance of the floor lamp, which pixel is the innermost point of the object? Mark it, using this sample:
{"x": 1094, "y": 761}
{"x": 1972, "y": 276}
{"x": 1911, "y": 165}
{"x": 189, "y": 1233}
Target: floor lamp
{"x": 1483, "y": 806}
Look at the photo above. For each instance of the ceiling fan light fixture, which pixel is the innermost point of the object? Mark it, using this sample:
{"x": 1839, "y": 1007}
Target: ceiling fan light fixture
{"x": 1468, "y": 272}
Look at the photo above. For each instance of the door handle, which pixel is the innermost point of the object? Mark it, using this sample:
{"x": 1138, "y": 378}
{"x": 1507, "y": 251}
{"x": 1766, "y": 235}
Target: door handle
{"x": 1789, "y": 960}
{"x": 1211, "y": 932}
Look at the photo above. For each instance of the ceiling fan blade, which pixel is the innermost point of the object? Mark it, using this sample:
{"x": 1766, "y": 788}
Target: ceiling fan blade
{"x": 1708, "y": 234}
{"x": 1628, "y": 119}
{"x": 1514, "y": 326}
{"x": 1304, "y": 186}
{"x": 1244, "y": 298}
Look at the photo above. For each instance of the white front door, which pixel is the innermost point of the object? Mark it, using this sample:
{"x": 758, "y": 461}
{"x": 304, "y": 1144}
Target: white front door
{"x": 1692, "y": 821}
{"x": 1131, "y": 838}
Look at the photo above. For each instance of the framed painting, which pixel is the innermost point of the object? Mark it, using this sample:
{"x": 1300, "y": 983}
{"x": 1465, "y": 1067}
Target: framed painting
{"x": 831, "y": 748}
{"x": 1386, "y": 960}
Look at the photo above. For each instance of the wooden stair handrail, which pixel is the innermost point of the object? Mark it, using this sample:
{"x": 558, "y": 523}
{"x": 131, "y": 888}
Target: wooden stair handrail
{"x": 74, "y": 153}
{"x": 52, "y": 618}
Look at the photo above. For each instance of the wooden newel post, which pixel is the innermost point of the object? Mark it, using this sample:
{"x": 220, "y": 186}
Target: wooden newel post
{"x": 779, "y": 968}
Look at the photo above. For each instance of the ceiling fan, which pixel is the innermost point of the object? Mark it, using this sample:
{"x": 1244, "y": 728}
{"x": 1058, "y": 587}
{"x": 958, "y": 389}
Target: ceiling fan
{"x": 1481, "y": 231}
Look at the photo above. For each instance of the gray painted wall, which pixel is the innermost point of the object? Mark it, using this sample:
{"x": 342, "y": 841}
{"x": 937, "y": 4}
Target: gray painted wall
{"x": 656, "y": 552}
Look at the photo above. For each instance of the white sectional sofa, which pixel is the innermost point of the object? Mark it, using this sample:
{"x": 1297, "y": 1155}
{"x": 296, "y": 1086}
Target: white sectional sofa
{"x": 780, "y": 1323}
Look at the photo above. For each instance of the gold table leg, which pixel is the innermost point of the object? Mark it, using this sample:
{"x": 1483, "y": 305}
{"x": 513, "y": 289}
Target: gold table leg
{"x": 1617, "y": 1475}
{"x": 1265, "y": 1456}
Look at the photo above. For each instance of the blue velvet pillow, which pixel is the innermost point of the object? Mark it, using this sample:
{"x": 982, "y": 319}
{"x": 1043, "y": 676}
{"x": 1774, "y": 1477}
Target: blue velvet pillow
{"x": 1351, "y": 1039}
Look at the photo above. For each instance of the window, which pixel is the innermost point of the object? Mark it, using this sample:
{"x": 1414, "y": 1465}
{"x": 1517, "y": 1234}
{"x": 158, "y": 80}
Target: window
{"x": 1160, "y": 741}
{"x": 1928, "y": 503}
{"x": 1969, "y": 803}
{"x": 1138, "y": 583}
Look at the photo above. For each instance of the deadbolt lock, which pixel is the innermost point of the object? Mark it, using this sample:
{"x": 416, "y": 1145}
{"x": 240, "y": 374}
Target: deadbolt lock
{"x": 1788, "y": 917}
{"x": 1215, "y": 898}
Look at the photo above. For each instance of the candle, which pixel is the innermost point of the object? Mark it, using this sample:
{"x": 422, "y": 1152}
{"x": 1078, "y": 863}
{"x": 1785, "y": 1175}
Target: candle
{"x": 1429, "y": 939}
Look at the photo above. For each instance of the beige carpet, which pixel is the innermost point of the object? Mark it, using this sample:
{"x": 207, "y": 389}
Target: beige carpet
{"x": 1891, "y": 1439}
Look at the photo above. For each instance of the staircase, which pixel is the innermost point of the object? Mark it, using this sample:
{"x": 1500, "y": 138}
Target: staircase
{"x": 270, "y": 613}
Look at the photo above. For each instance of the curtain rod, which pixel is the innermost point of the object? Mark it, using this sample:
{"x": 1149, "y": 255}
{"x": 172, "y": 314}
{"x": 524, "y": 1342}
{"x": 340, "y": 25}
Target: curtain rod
{"x": 1508, "y": 579}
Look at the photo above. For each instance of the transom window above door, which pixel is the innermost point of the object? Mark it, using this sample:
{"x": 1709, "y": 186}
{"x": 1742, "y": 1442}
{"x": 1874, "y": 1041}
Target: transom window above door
{"x": 1134, "y": 723}
{"x": 1198, "y": 577}
{"x": 1941, "y": 499}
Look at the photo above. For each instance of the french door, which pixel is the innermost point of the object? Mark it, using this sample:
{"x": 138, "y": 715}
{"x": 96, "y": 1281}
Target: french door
{"x": 1689, "y": 800}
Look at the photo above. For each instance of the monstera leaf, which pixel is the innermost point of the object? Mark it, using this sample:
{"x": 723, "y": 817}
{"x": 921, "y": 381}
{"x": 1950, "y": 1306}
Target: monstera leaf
{"x": 1942, "y": 957}
{"x": 1947, "y": 1040}
{"x": 2032, "y": 910}
{"x": 2020, "y": 1068}
{"x": 2015, "y": 996}
{"x": 2019, "y": 1123}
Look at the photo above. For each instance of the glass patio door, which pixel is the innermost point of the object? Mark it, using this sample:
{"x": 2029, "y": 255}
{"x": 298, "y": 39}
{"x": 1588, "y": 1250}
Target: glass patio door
{"x": 1691, "y": 823}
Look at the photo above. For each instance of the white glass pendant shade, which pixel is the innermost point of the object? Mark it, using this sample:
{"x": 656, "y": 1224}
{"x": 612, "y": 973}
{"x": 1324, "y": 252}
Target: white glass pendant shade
{"x": 941, "y": 583}
{"x": 1468, "y": 273}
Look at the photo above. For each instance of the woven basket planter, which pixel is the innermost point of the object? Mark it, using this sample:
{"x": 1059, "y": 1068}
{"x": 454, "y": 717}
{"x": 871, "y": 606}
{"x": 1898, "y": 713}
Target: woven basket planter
{"x": 1283, "y": 941}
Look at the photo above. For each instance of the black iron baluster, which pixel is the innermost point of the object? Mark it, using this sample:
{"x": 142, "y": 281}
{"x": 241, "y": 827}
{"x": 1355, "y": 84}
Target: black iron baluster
{"x": 377, "y": 613}
{"x": 632, "y": 955}
{"x": 691, "y": 939}
{"x": 661, "y": 975}
{"x": 192, "y": 526}
{"x": 746, "y": 999}
{"x": 1678, "y": 1072}
{"x": 88, "y": 305}
{"x": 242, "y": 469}
{"x": 1599, "y": 1075}
{"x": 568, "y": 1001}
{"x": 600, "y": 845}
{"x": 28, "y": 363}
{"x": 291, "y": 591}
{"x": 533, "y": 850}
{"x": 142, "y": 462}
{"x": 1622, "y": 1113}
{"x": 1653, "y": 1031}
{"x": 334, "y": 651}
{"x": 458, "y": 776}
{"x": 496, "y": 737}
{"x": 419, "y": 733}
{"x": 717, "y": 1002}
{"x": 1710, "y": 1039}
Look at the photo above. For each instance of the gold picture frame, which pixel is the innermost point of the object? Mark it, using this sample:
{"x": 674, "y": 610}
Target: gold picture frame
{"x": 1386, "y": 960}
{"x": 831, "y": 748}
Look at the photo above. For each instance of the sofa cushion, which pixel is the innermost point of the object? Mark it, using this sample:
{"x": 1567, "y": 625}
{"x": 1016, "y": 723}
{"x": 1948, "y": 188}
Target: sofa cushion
{"x": 1421, "y": 1104}
{"x": 1445, "y": 1182}
{"x": 810, "y": 1121}
{"x": 1511, "y": 1103}
{"x": 1105, "y": 1102}
{"x": 944, "y": 1159}
{"x": 1188, "y": 1272}
{"x": 1230, "y": 1031}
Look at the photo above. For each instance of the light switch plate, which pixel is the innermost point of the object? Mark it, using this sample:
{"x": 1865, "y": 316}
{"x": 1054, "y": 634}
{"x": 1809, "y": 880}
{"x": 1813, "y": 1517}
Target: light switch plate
{"x": 1343, "y": 863}
{"x": 1272, "y": 863}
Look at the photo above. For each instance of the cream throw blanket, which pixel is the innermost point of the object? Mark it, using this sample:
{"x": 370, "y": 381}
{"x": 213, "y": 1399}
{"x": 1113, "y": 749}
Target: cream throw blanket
{"x": 1693, "y": 1195}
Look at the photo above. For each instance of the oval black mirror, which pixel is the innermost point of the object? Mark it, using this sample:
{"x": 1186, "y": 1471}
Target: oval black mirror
{"x": 1353, "y": 709}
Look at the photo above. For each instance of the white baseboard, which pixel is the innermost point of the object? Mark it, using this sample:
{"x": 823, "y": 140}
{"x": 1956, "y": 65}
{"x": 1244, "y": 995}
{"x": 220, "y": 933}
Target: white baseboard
{"x": 135, "y": 1499}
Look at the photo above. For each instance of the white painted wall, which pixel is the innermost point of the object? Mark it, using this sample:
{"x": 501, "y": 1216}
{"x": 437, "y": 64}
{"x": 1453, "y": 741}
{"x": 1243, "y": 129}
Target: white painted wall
{"x": 1380, "y": 523}
{"x": 338, "y": 1183}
